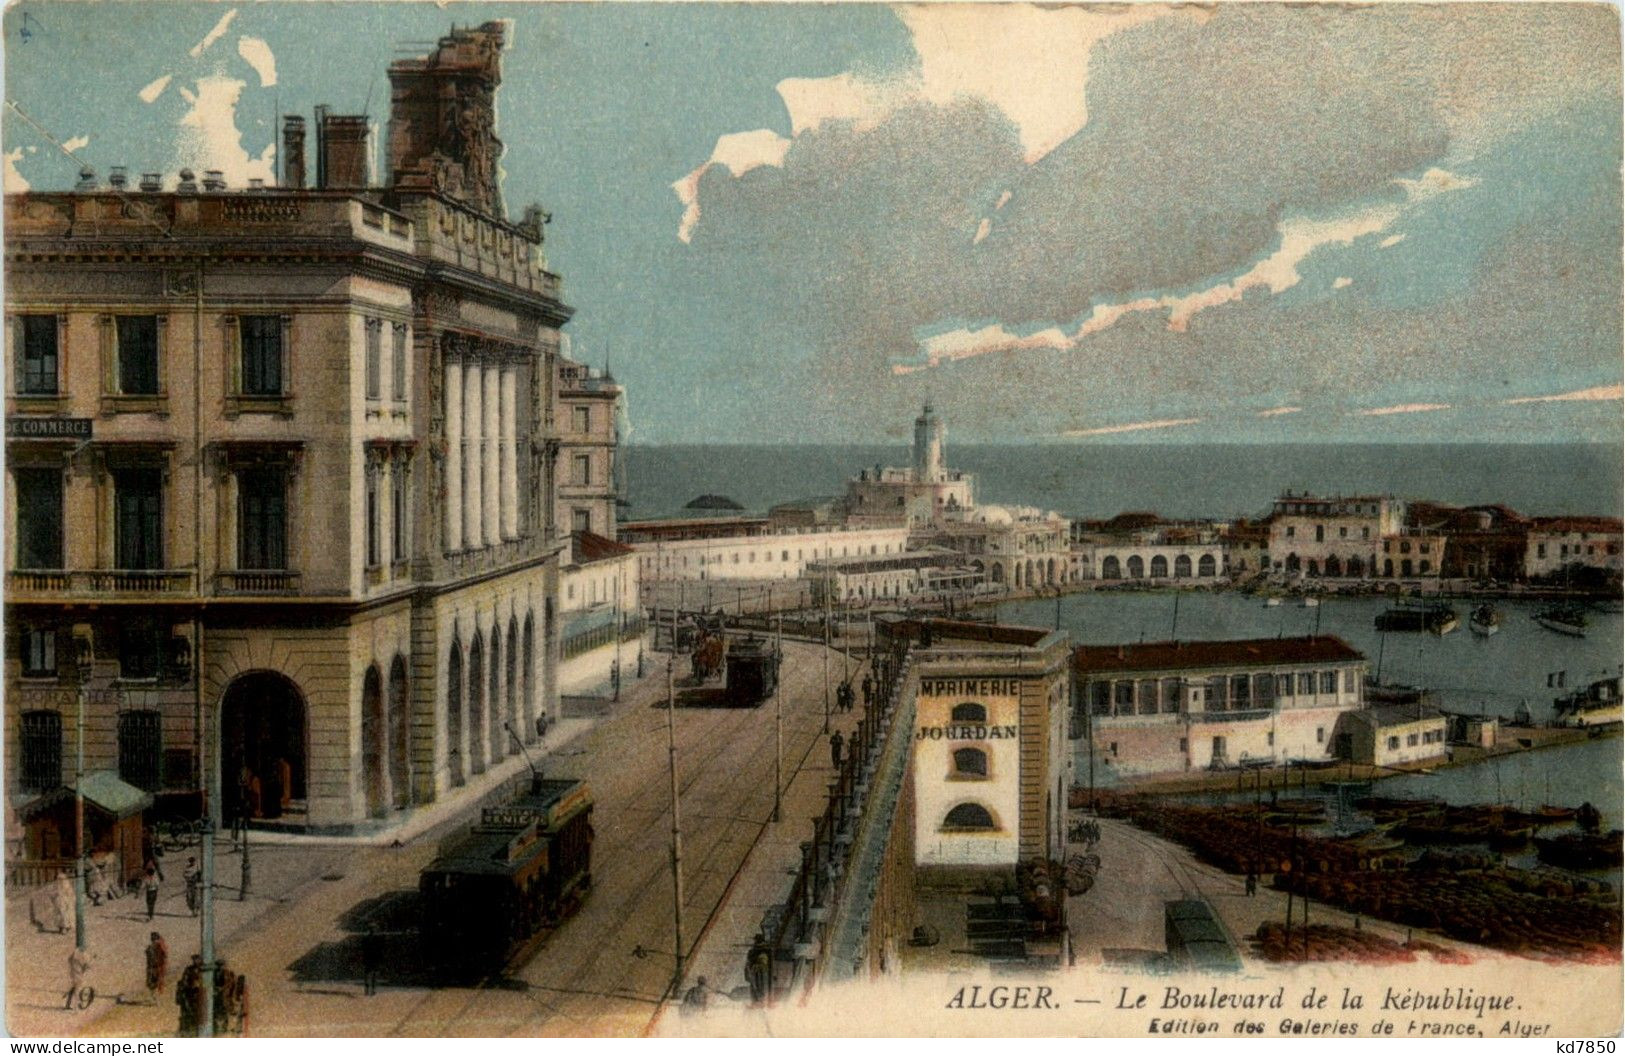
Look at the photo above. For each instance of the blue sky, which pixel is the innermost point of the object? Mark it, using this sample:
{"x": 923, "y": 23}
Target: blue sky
{"x": 793, "y": 222}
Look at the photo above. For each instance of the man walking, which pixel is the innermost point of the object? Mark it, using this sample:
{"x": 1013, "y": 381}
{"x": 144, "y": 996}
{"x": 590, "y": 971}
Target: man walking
{"x": 150, "y": 881}
{"x": 835, "y": 743}
{"x": 189, "y": 997}
{"x": 194, "y": 885}
{"x": 372, "y": 957}
{"x": 157, "y": 966}
{"x": 759, "y": 969}
{"x": 868, "y": 690}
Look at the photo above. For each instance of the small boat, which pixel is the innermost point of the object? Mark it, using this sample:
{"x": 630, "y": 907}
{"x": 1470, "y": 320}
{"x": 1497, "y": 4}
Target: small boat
{"x": 1485, "y": 621}
{"x": 1564, "y": 618}
{"x": 1433, "y": 617}
{"x": 1272, "y": 602}
{"x": 1581, "y": 850}
{"x": 1598, "y": 704}
{"x": 1310, "y": 602}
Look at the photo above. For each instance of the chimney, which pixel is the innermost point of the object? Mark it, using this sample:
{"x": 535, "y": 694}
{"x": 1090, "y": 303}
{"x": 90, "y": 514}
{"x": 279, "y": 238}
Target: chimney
{"x": 293, "y": 152}
{"x": 118, "y": 177}
{"x": 188, "y": 182}
{"x": 343, "y": 150}
{"x": 152, "y": 182}
{"x": 256, "y": 184}
{"x": 214, "y": 180}
{"x": 87, "y": 179}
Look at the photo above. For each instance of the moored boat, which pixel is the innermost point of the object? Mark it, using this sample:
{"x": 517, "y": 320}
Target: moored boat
{"x": 1598, "y": 704}
{"x": 1433, "y": 617}
{"x": 1486, "y": 620}
{"x": 1564, "y": 618}
{"x": 1581, "y": 850}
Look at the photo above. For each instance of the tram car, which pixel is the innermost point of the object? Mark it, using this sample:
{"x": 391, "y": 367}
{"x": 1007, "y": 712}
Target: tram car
{"x": 522, "y": 869}
{"x": 753, "y": 671}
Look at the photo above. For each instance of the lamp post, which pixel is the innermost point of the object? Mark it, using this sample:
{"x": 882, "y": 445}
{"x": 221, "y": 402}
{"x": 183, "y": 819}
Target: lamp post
{"x": 85, "y": 658}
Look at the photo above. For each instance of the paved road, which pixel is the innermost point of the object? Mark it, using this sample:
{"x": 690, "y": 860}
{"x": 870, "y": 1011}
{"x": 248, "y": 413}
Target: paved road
{"x": 605, "y": 970}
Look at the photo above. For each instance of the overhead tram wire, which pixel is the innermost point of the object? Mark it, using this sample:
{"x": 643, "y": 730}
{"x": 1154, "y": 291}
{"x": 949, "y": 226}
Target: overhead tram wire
{"x": 139, "y": 208}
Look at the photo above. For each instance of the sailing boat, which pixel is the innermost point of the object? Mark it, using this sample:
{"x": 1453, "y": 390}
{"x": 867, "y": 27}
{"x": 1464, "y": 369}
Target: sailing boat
{"x": 1485, "y": 621}
{"x": 1565, "y": 618}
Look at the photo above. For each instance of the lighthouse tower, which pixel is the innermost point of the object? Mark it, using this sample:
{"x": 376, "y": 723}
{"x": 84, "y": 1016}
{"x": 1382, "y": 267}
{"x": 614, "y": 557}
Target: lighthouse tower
{"x": 928, "y": 463}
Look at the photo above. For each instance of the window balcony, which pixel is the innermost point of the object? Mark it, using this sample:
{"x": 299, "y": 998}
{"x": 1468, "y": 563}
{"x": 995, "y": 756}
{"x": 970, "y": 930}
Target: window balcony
{"x": 99, "y": 582}
{"x": 257, "y": 581}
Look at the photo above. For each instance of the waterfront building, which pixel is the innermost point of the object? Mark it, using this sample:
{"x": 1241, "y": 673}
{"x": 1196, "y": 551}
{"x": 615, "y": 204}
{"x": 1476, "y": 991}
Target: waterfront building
{"x": 1168, "y": 707}
{"x": 676, "y": 529}
{"x": 1332, "y": 537}
{"x": 990, "y": 768}
{"x": 761, "y": 555}
{"x": 901, "y": 579}
{"x": 923, "y": 493}
{"x": 600, "y": 618}
{"x": 1392, "y": 735}
{"x": 1414, "y": 554}
{"x": 1568, "y": 546}
{"x": 1129, "y": 548}
{"x": 1009, "y": 547}
{"x": 1246, "y": 548}
{"x": 587, "y": 417}
{"x": 301, "y": 435}
{"x": 822, "y": 512}
{"x": 1485, "y": 542}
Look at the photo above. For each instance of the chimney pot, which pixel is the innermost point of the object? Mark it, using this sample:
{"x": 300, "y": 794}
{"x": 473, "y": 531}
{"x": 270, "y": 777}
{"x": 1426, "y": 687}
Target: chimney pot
{"x": 118, "y": 177}
{"x": 214, "y": 180}
{"x": 188, "y": 182}
{"x": 152, "y": 182}
{"x": 87, "y": 179}
{"x": 256, "y": 184}
{"x": 293, "y": 151}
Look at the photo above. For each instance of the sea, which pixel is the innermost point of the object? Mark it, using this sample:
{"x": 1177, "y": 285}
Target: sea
{"x": 1176, "y": 480}
{"x": 1523, "y": 663}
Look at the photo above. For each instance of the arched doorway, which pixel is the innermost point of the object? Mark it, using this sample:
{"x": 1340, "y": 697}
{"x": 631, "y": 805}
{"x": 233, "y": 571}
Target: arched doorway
{"x": 1388, "y": 567}
{"x": 1159, "y": 567}
{"x": 1018, "y": 575}
{"x": 1050, "y": 576}
{"x": 262, "y": 730}
{"x": 998, "y": 572}
{"x": 1182, "y": 566}
{"x": 511, "y": 674}
{"x": 1110, "y": 568}
{"x": 529, "y": 675}
{"x": 476, "y": 705}
{"x": 1314, "y": 567}
{"x": 1292, "y": 564}
{"x": 1356, "y": 567}
{"x": 1136, "y": 567}
{"x": 498, "y": 735}
{"x": 400, "y": 782}
{"x": 372, "y": 741}
{"x": 1405, "y": 567}
{"x": 1334, "y": 567}
{"x": 1207, "y": 566}
{"x": 454, "y": 714}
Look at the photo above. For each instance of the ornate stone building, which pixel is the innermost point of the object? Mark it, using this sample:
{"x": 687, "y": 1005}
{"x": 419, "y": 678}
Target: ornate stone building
{"x": 281, "y": 458}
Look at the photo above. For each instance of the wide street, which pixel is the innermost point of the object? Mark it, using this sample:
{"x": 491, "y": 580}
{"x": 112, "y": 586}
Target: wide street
{"x": 603, "y": 972}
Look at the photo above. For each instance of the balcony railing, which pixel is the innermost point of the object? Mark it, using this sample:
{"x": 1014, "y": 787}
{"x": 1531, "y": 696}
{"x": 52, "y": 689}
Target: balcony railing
{"x": 99, "y": 581}
{"x": 258, "y": 581}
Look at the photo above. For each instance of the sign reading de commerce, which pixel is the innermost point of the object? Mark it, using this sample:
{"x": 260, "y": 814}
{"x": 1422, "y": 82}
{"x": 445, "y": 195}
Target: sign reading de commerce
{"x": 48, "y": 428}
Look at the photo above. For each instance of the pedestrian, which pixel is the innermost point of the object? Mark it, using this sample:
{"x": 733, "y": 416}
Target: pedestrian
{"x": 194, "y": 885}
{"x": 63, "y": 900}
{"x": 759, "y": 969}
{"x": 1252, "y": 883}
{"x": 868, "y": 690}
{"x": 239, "y": 821}
{"x": 157, "y": 965}
{"x": 241, "y": 1006}
{"x": 836, "y": 742}
{"x": 78, "y": 968}
{"x": 151, "y": 878}
{"x": 372, "y": 957}
{"x": 189, "y": 997}
{"x": 697, "y": 998}
{"x": 225, "y": 987}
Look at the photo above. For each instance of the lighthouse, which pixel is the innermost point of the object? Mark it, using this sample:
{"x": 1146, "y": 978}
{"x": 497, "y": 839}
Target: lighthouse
{"x": 928, "y": 447}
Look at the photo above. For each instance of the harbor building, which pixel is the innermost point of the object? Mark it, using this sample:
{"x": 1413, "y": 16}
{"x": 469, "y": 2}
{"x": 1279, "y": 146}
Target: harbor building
{"x": 1009, "y": 547}
{"x": 601, "y": 621}
{"x": 1332, "y": 537}
{"x": 1246, "y": 549}
{"x": 990, "y": 768}
{"x": 1559, "y": 546}
{"x": 588, "y": 418}
{"x": 913, "y": 576}
{"x": 1144, "y": 547}
{"x": 687, "y": 551}
{"x": 1392, "y": 735}
{"x": 302, "y": 437}
{"x": 923, "y": 493}
{"x": 1170, "y": 707}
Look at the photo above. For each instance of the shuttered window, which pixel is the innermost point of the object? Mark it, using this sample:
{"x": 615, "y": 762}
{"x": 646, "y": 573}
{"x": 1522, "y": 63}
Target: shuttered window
{"x": 39, "y": 517}
{"x": 262, "y": 518}
{"x": 137, "y": 354}
{"x": 38, "y": 373}
{"x": 139, "y": 517}
{"x": 41, "y": 749}
{"x": 141, "y": 749}
{"x": 261, "y": 337}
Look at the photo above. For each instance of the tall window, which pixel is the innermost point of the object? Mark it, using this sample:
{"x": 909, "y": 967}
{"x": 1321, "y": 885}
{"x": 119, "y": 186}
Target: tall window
{"x": 582, "y": 470}
{"x": 373, "y": 539}
{"x": 41, "y": 749}
{"x": 137, "y": 337}
{"x": 38, "y": 373}
{"x": 138, "y": 648}
{"x": 262, "y": 354}
{"x": 39, "y": 517}
{"x": 581, "y": 521}
{"x": 397, "y": 362}
{"x": 140, "y": 749}
{"x": 583, "y": 419}
{"x": 262, "y": 520}
{"x": 397, "y": 522}
{"x": 139, "y": 517}
{"x": 374, "y": 355}
{"x": 39, "y": 652}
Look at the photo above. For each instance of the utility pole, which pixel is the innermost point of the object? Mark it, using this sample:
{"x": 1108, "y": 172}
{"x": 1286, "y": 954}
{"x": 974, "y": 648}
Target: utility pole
{"x": 85, "y": 668}
{"x": 778, "y": 719}
{"x": 676, "y": 827}
{"x": 828, "y": 583}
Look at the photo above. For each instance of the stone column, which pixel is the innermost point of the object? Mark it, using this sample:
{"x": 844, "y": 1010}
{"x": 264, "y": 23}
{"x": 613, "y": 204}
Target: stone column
{"x": 490, "y": 442}
{"x": 510, "y": 452}
{"x": 473, "y": 424}
{"x": 453, "y": 393}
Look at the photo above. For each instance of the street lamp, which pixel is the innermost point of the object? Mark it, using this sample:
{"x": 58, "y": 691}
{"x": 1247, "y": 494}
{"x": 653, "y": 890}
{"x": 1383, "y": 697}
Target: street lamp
{"x": 84, "y": 657}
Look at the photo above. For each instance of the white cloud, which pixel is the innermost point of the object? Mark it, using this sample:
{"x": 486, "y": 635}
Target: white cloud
{"x": 1342, "y": 281}
{"x": 1600, "y": 393}
{"x": 1433, "y": 183}
{"x": 1403, "y": 408}
{"x": 13, "y": 182}
{"x": 152, "y": 91}
{"x": 1003, "y": 200}
{"x": 76, "y": 143}
{"x": 962, "y": 344}
{"x": 981, "y": 230}
{"x": 210, "y": 138}
{"x": 1276, "y": 412}
{"x": 257, "y": 54}
{"x": 739, "y": 153}
{"x": 1029, "y": 62}
{"x": 214, "y": 34}
{"x": 1391, "y": 240}
{"x": 1133, "y": 427}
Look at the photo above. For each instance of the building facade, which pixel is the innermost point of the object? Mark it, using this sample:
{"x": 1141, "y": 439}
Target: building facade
{"x": 303, "y": 438}
{"x": 916, "y": 575}
{"x": 1392, "y": 735}
{"x": 759, "y": 555}
{"x": 600, "y": 618}
{"x": 588, "y": 418}
{"x": 922, "y": 493}
{"x": 1559, "y": 545}
{"x": 1010, "y": 548}
{"x": 1169, "y": 707}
